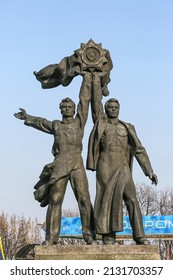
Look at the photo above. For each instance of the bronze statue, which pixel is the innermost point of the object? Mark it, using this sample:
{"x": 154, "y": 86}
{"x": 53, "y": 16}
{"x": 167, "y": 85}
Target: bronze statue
{"x": 112, "y": 146}
{"x": 67, "y": 166}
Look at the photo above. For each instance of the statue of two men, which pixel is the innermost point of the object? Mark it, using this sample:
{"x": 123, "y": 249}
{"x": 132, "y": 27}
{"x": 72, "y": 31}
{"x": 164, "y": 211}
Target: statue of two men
{"x": 112, "y": 146}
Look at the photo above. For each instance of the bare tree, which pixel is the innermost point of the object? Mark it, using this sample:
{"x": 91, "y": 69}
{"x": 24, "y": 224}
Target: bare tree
{"x": 165, "y": 202}
{"x": 165, "y": 207}
{"x": 16, "y": 232}
{"x": 148, "y": 199}
{"x": 153, "y": 202}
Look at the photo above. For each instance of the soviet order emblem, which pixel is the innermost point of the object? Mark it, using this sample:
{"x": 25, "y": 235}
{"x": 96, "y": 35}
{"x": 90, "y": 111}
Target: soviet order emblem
{"x": 91, "y": 56}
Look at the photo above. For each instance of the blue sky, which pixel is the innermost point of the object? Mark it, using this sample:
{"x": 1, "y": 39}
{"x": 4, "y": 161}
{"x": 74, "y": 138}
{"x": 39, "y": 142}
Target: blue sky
{"x": 138, "y": 35}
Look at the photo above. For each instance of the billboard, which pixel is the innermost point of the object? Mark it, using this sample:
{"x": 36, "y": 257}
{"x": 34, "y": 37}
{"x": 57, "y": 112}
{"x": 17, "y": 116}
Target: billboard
{"x": 152, "y": 225}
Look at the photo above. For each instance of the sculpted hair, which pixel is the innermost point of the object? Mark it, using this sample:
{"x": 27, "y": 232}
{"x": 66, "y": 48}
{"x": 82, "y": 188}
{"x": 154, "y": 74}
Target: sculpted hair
{"x": 67, "y": 99}
{"x": 111, "y": 100}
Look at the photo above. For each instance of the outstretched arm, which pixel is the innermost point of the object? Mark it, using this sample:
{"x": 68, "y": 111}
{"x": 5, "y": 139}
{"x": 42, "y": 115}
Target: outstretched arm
{"x": 36, "y": 122}
{"x": 84, "y": 98}
{"x": 96, "y": 100}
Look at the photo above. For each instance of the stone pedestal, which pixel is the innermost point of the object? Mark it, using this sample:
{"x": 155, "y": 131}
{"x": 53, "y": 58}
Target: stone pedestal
{"x": 97, "y": 252}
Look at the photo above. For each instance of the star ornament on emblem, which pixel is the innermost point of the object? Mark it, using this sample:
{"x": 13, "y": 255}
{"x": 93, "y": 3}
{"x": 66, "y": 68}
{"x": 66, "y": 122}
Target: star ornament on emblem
{"x": 91, "y": 56}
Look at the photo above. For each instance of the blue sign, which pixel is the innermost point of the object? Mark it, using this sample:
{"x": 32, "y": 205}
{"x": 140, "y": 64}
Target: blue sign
{"x": 152, "y": 225}
{"x": 71, "y": 226}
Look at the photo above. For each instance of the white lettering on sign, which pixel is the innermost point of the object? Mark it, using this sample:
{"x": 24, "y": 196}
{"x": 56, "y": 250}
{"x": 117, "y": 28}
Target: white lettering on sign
{"x": 158, "y": 224}
{"x": 151, "y": 224}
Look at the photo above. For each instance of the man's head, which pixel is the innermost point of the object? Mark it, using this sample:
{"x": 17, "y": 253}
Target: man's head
{"x": 67, "y": 107}
{"x": 112, "y": 108}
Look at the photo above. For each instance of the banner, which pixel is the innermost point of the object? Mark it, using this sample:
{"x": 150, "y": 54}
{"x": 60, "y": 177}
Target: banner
{"x": 152, "y": 225}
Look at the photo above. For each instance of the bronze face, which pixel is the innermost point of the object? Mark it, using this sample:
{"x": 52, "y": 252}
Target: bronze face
{"x": 67, "y": 109}
{"x": 112, "y": 110}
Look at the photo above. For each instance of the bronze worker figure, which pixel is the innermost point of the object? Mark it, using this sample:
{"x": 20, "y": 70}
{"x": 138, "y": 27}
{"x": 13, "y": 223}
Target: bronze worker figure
{"x": 112, "y": 146}
{"x": 67, "y": 166}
